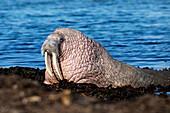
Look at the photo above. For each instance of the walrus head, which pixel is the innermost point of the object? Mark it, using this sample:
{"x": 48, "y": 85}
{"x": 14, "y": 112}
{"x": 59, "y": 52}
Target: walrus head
{"x": 71, "y": 55}
{"x": 51, "y": 47}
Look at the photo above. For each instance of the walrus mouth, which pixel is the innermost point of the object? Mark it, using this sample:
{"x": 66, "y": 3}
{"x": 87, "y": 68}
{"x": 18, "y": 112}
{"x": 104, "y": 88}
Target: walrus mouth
{"x": 54, "y": 65}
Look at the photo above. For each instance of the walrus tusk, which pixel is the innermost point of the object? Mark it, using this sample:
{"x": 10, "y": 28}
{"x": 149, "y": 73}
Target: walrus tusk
{"x": 56, "y": 65}
{"x": 47, "y": 64}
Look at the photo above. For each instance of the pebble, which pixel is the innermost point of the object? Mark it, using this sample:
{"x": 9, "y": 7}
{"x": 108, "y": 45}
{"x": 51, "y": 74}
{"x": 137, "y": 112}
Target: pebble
{"x": 31, "y": 99}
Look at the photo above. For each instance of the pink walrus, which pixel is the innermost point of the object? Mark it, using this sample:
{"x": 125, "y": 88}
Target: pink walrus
{"x": 71, "y": 55}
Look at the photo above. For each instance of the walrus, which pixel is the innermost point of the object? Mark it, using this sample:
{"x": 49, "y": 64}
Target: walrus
{"x": 71, "y": 55}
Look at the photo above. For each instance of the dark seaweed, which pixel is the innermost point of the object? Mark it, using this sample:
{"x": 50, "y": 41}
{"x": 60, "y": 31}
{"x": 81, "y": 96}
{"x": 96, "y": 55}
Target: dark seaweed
{"x": 105, "y": 94}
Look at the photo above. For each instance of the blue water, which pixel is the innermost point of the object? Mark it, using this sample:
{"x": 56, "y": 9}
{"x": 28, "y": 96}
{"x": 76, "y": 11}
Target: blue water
{"x": 136, "y": 32}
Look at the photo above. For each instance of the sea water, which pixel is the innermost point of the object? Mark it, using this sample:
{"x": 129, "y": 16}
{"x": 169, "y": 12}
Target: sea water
{"x": 136, "y": 32}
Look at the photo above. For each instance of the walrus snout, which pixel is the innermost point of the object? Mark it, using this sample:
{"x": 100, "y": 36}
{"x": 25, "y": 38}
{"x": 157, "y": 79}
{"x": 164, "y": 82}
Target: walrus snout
{"x": 51, "y": 47}
{"x": 52, "y": 44}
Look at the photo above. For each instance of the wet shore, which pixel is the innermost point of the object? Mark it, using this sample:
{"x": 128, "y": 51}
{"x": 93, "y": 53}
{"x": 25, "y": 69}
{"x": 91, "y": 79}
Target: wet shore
{"x": 22, "y": 91}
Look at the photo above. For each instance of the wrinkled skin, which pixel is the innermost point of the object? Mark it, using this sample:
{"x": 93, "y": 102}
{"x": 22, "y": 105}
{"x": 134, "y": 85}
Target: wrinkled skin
{"x": 71, "y": 55}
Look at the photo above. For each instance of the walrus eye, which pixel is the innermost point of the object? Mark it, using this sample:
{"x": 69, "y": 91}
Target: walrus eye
{"x": 61, "y": 39}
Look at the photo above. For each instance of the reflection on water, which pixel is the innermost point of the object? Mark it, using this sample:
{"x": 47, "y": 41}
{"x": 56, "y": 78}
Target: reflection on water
{"x": 135, "y": 32}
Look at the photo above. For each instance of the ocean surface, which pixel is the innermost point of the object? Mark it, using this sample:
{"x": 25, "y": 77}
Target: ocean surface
{"x": 136, "y": 32}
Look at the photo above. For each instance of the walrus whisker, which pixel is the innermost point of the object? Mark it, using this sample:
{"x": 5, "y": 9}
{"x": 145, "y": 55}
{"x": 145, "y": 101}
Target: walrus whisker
{"x": 56, "y": 65}
{"x": 47, "y": 64}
